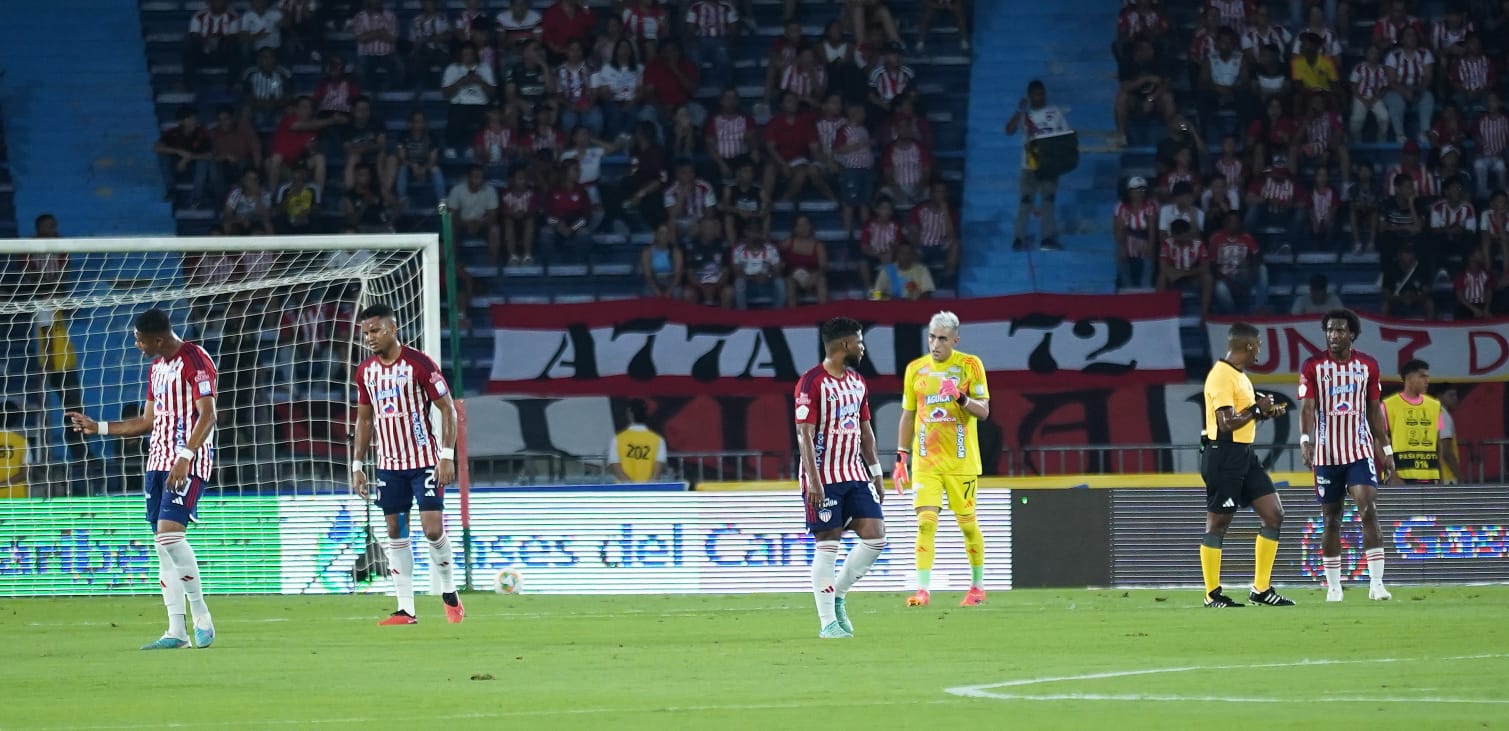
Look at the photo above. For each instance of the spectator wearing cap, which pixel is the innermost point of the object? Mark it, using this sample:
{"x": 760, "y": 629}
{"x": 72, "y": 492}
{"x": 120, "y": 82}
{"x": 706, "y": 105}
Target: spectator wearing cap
{"x": 1412, "y": 71}
{"x": 1369, "y": 83}
{"x": 1184, "y": 262}
{"x": 1453, "y": 225}
{"x": 1426, "y": 184}
{"x": 1136, "y": 235}
{"x": 1407, "y": 288}
{"x": 1038, "y": 120}
{"x": 1239, "y": 276}
{"x": 1275, "y": 198}
{"x": 1318, "y": 299}
{"x": 1181, "y": 208}
{"x": 1490, "y": 133}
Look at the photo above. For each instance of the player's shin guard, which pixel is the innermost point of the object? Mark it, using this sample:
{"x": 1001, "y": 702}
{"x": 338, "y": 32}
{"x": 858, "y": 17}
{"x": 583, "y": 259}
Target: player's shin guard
{"x": 443, "y": 563}
{"x": 172, "y": 594}
{"x": 1264, "y": 554}
{"x": 927, "y": 536}
{"x": 1375, "y": 565}
{"x": 823, "y": 561}
{"x": 186, "y": 571}
{"x": 858, "y": 563}
{"x": 974, "y": 546}
{"x": 401, "y": 568}
{"x": 1210, "y": 560}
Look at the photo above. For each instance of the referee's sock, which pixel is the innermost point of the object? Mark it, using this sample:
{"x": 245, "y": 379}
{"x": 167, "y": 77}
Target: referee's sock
{"x": 1265, "y": 552}
{"x": 1210, "y": 561}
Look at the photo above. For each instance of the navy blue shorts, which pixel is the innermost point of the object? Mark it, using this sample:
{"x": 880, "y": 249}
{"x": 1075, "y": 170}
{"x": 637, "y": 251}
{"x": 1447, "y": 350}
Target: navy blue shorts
{"x": 843, "y": 502}
{"x": 166, "y": 503}
{"x": 1332, "y": 481}
{"x": 398, "y": 490}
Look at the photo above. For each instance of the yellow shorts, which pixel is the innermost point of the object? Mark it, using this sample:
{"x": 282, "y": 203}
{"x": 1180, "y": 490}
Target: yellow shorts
{"x": 928, "y": 491}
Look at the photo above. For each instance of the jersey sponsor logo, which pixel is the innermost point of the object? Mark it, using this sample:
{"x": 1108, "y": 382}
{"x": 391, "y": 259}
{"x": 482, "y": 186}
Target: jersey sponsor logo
{"x": 936, "y": 398}
{"x": 803, "y": 399}
{"x": 421, "y": 430}
{"x": 387, "y": 393}
{"x": 937, "y": 415}
{"x": 1342, "y": 388}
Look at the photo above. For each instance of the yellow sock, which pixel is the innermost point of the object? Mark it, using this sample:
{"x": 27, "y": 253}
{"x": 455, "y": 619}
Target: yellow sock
{"x": 1266, "y": 551}
{"x": 927, "y": 532}
{"x": 974, "y": 540}
{"x": 1210, "y": 567}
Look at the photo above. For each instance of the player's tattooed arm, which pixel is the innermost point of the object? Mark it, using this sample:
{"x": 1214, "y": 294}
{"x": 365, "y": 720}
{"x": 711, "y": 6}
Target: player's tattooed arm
{"x": 805, "y": 442}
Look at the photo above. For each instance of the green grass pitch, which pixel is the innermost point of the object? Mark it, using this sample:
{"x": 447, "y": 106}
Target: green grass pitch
{"x": 1433, "y": 658}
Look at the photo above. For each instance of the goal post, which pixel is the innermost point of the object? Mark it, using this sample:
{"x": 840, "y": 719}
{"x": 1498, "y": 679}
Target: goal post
{"x": 277, "y": 314}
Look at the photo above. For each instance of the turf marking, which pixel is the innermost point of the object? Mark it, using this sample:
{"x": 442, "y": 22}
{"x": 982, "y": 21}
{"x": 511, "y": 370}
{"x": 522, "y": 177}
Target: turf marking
{"x": 993, "y": 691}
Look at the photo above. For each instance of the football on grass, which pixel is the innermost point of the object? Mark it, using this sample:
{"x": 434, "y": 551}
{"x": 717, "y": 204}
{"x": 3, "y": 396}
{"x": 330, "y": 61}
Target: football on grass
{"x": 509, "y": 581}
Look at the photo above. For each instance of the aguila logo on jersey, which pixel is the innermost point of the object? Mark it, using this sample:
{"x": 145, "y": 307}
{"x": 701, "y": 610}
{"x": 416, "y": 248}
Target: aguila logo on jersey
{"x": 848, "y": 417}
{"x": 1343, "y": 388}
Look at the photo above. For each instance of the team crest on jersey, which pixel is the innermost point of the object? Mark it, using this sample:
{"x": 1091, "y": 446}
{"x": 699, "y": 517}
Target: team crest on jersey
{"x": 389, "y": 407}
{"x": 936, "y": 415}
{"x": 848, "y": 417}
{"x": 1342, "y": 407}
{"x": 824, "y": 516}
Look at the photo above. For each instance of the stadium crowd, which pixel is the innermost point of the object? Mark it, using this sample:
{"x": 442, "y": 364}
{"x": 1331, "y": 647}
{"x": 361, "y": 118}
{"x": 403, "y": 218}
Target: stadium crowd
{"x": 1357, "y": 128}
{"x": 538, "y": 100}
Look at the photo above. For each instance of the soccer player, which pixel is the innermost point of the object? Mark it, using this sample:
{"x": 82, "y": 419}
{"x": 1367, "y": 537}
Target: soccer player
{"x": 180, "y": 417}
{"x": 396, "y": 389}
{"x": 1343, "y": 435}
{"x": 950, "y": 386}
{"x": 836, "y": 441}
{"x": 1417, "y": 430}
{"x": 1234, "y": 478}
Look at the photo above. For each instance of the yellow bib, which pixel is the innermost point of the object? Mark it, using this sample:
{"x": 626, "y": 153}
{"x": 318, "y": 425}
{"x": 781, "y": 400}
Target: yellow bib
{"x": 12, "y": 465}
{"x": 1415, "y": 436}
{"x": 638, "y": 451}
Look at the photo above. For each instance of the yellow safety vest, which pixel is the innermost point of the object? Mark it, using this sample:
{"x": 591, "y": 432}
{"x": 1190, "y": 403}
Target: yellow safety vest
{"x": 1414, "y": 433}
{"x": 638, "y": 451}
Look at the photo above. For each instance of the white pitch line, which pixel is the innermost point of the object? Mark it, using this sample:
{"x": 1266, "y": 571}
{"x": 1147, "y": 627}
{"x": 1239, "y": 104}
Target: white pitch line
{"x": 488, "y": 615}
{"x": 990, "y": 690}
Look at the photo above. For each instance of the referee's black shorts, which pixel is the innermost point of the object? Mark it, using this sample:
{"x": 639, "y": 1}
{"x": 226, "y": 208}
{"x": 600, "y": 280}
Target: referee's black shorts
{"x": 1233, "y": 476}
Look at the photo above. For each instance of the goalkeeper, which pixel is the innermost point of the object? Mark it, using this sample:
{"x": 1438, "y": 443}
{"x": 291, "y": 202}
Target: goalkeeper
{"x": 943, "y": 394}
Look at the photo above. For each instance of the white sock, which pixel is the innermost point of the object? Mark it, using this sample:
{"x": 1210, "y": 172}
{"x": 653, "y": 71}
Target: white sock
{"x": 401, "y": 568}
{"x": 1375, "y": 565}
{"x": 823, "y": 560}
{"x": 443, "y": 564}
{"x": 1332, "y": 565}
{"x": 172, "y": 594}
{"x": 858, "y": 563}
{"x": 186, "y": 570}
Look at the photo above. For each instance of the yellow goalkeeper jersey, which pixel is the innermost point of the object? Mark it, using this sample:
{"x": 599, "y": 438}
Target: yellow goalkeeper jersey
{"x": 946, "y": 440}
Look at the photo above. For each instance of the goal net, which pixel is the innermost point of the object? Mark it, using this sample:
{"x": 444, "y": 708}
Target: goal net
{"x": 277, "y": 315}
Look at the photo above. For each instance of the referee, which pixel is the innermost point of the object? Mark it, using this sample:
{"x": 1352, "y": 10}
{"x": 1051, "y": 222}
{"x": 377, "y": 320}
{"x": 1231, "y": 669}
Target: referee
{"x": 1233, "y": 476}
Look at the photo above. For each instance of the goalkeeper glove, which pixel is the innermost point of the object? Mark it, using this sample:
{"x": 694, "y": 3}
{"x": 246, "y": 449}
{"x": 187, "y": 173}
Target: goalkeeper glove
{"x": 900, "y": 477}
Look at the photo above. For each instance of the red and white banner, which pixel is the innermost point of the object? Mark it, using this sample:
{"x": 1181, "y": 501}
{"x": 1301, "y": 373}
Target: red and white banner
{"x": 660, "y": 347}
{"x": 1456, "y": 351}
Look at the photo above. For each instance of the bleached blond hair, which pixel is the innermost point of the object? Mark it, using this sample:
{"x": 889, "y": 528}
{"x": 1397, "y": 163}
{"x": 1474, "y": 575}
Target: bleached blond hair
{"x": 944, "y": 319}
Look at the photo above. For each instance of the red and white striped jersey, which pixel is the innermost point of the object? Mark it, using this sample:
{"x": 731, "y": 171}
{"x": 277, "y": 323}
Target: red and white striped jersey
{"x": 1409, "y": 66}
{"x": 545, "y": 139}
{"x": 838, "y": 407}
{"x": 1330, "y": 45}
{"x": 1134, "y": 22}
{"x": 1426, "y": 183}
{"x": 318, "y": 324}
{"x": 732, "y": 134}
{"x": 401, "y": 394}
{"x": 496, "y": 144}
{"x": 711, "y": 18}
{"x": 1474, "y": 286}
{"x": 1369, "y": 80}
{"x": 1387, "y": 29}
{"x": 1275, "y": 189}
{"x": 210, "y": 25}
{"x": 1174, "y": 177}
{"x": 1231, "y": 253}
{"x": 466, "y": 19}
{"x": 1493, "y": 223}
{"x": 908, "y": 163}
{"x": 173, "y": 385}
{"x": 367, "y": 22}
{"x": 1254, "y": 38}
{"x": 335, "y": 96}
{"x": 1322, "y": 131}
{"x": 1233, "y": 13}
{"x": 574, "y": 83}
{"x": 827, "y": 132}
{"x": 1137, "y": 219}
{"x": 879, "y": 237}
{"x": 1491, "y": 132}
{"x": 933, "y": 225}
{"x": 859, "y": 158}
{"x": 646, "y": 24}
{"x": 889, "y": 84}
{"x": 1473, "y": 73}
{"x": 1444, "y": 214}
{"x": 1202, "y": 46}
{"x": 694, "y": 200}
{"x": 1323, "y": 205}
{"x": 804, "y": 83}
{"x": 516, "y": 202}
{"x": 430, "y": 29}
{"x": 1443, "y": 37}
{"x": 1183, "y": 256}
{"x": 1342, "y": 392}
{"x": 1234, "y": 170}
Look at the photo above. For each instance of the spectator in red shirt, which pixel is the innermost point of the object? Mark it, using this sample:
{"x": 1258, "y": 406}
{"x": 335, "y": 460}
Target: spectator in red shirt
{"x": 186, "y": 150}
{"x": 732, "y": 136}
{"x": 1272, "y": 134}
{"x": 568, "y": 209}
{"x": 1135, "y": 228}
{"x": 1240, "y": 277}
{"x": 806, "y": 260}
{"x": 337, "y": 91}
{"x": 907, "y": 168}
{"x": 1474, "y": 287}
{"x": 567, "y": 21}
{"x": 1184, "y": 261}
{"x": 714, "y": 26}
{"x": 791, "y": 143}
{"x": 644, "y": 20}
{"x": 671, "y": 82}
{"x": 934, "y": 229}
{"x": 376, "y": 30}
{"x": 1275, "y": 198}
{"x": 877, "y": 242}
{"x": 1323, "y": 139}
{"x": 295, "y": 139}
